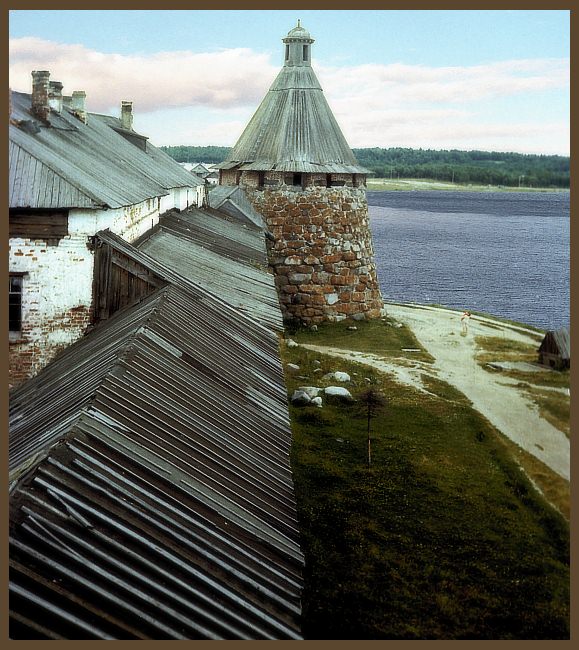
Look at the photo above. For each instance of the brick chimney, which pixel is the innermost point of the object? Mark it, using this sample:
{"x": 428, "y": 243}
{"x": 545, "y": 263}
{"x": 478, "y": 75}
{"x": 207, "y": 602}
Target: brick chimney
{"x": 78, "y": 105}
{"x": 40, "y": 106}
{"x": 55, "y": 96}
{"x": 127, "y": 115}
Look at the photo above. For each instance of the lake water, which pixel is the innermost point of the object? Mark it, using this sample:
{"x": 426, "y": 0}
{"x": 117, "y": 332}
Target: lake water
{"x": 503, "y": 253}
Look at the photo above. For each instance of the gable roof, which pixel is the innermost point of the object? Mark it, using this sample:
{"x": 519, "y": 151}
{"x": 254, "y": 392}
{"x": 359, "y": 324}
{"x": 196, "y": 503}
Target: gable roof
{"x": 69, "y": 164}
{"x": 224, "y": 257}
{"x": 233, "y": 201}
{"x": 151, "y": 492}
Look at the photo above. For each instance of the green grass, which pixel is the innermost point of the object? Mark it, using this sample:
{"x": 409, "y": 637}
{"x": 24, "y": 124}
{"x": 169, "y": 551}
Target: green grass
{"x": 554, "y": 406}
{"x": 442, "y": 538}
{"x": 499, "y": 349}
{"x": 418, "y": 184}
{"x": 385, "y": 338}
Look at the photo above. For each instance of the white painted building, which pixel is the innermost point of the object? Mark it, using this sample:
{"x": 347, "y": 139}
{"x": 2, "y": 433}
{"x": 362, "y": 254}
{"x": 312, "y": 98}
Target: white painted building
{"x": 73, "y": 173}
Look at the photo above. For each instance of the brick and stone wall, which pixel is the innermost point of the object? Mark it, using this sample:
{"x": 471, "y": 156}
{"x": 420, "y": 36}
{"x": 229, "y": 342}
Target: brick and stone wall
{"x": 56, "y": 300}
{"x": 322, "y": 256}
{"x": 57, "y": 279}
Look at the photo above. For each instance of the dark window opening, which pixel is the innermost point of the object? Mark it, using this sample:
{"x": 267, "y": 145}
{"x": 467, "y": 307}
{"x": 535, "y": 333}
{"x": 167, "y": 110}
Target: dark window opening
{"x": 297, "y": 179}
{"x": 15, "y": 303}
{"x": 286, "y": 52}
{"x": 305, "y": 52}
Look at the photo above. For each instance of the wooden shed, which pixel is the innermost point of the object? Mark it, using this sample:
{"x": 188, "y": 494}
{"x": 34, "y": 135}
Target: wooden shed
{"x": 555, "y": 350}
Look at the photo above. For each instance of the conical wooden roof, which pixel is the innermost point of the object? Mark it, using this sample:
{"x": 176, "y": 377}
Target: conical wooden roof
{"x": 294, "y": 129}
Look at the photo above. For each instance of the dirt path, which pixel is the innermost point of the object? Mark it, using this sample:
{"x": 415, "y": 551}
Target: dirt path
{"x": 514, "y": 414}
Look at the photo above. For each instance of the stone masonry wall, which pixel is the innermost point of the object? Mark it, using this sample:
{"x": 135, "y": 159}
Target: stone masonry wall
{"x": 322, "y": 257}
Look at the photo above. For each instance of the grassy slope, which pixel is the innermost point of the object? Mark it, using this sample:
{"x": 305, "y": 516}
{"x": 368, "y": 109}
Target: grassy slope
{"x": 443, "y": 537}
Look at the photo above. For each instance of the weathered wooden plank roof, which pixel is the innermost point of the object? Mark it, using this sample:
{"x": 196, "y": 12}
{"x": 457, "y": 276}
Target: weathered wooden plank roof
{"x": 294, "y": 130}
{"x": 233, "y": 201}
{"x": 70, "y": 164}
{"x": 151, "y": 492}
{"x": 217, "y": 231}
{"x": 558, "y": 340}
{"x": 191, "y": 251}
{"x": 226, "y": 258}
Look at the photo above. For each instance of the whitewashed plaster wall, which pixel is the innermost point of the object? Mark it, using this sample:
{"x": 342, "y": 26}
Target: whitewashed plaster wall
{"x": 57, "y": 285}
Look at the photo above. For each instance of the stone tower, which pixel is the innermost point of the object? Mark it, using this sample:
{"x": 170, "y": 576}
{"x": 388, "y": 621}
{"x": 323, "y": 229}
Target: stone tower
{"x": 299, "y": 172}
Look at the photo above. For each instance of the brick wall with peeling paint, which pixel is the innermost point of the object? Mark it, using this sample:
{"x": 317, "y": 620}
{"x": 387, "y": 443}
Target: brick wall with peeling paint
{"x": 57, "y": 281}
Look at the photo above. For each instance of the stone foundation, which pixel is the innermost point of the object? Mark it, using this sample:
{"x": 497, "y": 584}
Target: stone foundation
{"x": 322, "y": 258}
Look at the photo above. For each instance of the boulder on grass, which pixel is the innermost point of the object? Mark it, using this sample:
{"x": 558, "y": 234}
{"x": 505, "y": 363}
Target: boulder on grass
{"x": 311, "y": 391}
{"x": 300, "y": 398}
{"x": 338, "y": 394}
{"x": 337, "y": 376}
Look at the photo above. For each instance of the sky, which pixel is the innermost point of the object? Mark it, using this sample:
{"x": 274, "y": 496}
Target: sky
{"x": 495, "y": 80}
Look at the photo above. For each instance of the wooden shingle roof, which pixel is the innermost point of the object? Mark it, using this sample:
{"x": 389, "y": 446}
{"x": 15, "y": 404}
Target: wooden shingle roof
{"x": 294, "y": 129}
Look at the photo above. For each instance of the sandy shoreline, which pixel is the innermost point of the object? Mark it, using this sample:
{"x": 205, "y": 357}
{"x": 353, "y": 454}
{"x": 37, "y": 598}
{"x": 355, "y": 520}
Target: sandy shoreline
{"x": 494, "y": 395}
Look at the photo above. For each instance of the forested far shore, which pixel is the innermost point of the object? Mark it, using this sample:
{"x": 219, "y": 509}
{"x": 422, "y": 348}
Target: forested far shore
{"x": 481, "y": 167}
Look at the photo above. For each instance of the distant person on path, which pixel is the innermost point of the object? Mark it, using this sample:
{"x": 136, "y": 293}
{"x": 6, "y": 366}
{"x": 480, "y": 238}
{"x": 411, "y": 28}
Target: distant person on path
{"x": 464, "y": 319}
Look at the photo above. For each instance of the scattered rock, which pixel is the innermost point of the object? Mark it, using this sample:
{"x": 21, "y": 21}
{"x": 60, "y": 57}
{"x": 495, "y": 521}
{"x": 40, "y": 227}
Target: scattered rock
{"x": 316, "y": 363}
{"x": 318, "y": 370}
{"x": 314, "y": 328}
{"x": 291, "y": 343}
{"x": 317, "y": 401}
{"x": 292, "y": 367}
{"x": 342, "y": 394}
{"x": 399, "y": 325}
{"x": 300, "y": 398}
{"x": 352, "y": 328}
{"x": 338, "y": 376}
{"x": 311, "y": 391}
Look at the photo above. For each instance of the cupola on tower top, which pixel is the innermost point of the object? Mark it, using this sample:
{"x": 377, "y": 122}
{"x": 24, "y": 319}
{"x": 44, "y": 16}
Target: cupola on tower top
{"x": 298, "y": 44}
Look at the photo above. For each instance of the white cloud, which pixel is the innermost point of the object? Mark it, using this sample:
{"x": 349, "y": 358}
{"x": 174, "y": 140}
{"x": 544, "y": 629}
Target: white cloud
{"x": 420, "y": 106}
{"x": 228, "y": 77}
{"x": 207, "y": 98}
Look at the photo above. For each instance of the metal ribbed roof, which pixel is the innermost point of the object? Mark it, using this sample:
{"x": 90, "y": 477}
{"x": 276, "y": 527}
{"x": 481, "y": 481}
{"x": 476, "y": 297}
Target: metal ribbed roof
{"x": 151, "y": 491}
{"x": 294, "y": 130}
{"x": 75, "y": 165}
{"x": 226, "y": 258}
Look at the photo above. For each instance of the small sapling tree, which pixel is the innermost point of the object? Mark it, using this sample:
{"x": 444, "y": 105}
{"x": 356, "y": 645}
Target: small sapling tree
{"x": 373, "y": 402}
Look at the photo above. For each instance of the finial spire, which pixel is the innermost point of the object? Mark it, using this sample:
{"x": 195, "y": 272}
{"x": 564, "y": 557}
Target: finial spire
{"x": 299, "y": 23}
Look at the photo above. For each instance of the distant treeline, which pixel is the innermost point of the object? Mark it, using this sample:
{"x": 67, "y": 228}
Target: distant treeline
{"x": 479, "y": 167}
{"x": 197, "y": 154}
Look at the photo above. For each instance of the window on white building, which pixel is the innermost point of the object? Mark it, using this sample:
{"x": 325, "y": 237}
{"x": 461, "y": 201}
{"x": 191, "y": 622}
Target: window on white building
{"x": 15, "y": 305}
